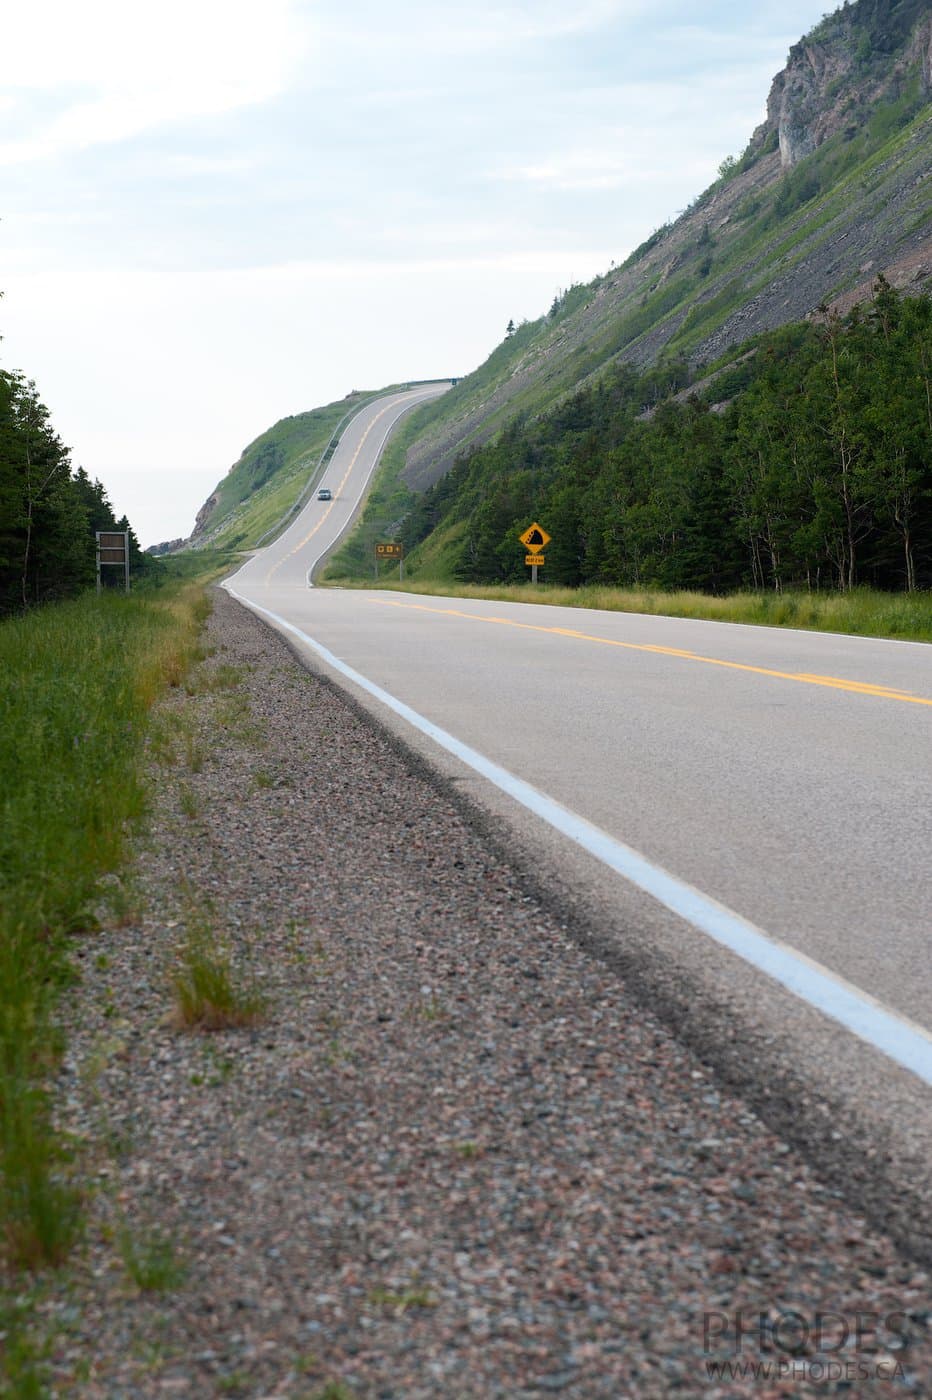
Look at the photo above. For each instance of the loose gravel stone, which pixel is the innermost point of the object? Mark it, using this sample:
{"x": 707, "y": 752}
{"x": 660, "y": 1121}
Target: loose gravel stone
{"x": 455, "y": 1159}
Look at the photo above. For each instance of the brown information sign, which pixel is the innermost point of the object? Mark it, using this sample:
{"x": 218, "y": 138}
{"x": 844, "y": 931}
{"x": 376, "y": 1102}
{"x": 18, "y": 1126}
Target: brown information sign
{"x": 390, "y": 551}
{"x": 113, "y": 549}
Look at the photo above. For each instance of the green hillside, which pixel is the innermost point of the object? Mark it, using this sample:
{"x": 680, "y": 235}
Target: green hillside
{"x": 761, "y": 247}
{"x": 803, "y": 461}
{"x": 271, "y": 476}
{"x": 833, "y": 191}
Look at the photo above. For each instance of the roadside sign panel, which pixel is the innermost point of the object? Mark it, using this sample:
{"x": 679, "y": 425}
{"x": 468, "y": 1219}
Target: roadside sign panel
{"x": 112, "y": 539}
{"x": 113, "y": 548}
{"x": 533, "y": 559}
{"x": 535, "y": 538}
{"x": 390, "y": 551}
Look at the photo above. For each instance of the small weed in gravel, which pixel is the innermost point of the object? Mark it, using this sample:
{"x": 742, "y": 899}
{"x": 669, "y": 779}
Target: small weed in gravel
{"x": 231, "y": 711}
{"x": 222, "y": 677}
{"x": 161, "y": 744}
{"x": 188, "y": 801}
{"x": 122, "y": 904}
{"x": 218, "y": 1070}
{"x": 400, "y": 1303}
{"x": 233, "y": 1383}
{"x": 151, "y": 1261}
{"x": 22, "y": 1353}
{"x": 194, "y": 751}
{"x": 432, "y": 1009}
{"x": 210, "y": 994}
{"x": 337, "y": 1054}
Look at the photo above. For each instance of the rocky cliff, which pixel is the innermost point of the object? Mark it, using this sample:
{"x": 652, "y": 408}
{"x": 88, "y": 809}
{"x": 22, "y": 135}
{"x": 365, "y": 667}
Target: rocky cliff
{"x": 834, "y": 188}
{"x": 854, "y": 60}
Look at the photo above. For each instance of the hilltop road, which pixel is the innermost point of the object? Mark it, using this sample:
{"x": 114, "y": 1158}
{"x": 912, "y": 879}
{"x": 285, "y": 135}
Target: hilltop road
{"x": 289, "y": 560}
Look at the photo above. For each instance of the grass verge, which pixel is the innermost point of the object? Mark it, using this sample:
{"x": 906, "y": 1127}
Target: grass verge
{"x": 863, "y": 612}
{"x": 77, "y": 684}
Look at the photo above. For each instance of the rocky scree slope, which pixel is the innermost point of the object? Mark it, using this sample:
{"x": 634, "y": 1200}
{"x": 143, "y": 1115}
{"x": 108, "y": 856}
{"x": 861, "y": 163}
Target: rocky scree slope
{"x": 833, "y": 189}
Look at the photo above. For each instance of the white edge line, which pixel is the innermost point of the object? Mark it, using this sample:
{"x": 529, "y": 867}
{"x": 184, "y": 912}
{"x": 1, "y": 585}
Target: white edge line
{"x": 901, "y": 1040}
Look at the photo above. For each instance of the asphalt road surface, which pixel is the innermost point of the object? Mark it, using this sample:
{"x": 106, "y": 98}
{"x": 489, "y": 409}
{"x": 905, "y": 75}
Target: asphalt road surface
{"x": 779, "y": 780}
{"x": 289, "y": 561}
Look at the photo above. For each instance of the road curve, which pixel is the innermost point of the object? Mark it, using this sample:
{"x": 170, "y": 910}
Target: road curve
{"x": 291, "y": 560}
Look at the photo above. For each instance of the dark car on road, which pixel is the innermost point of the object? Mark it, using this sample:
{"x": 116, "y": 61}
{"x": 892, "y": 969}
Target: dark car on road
{"x": 325, "y": 494}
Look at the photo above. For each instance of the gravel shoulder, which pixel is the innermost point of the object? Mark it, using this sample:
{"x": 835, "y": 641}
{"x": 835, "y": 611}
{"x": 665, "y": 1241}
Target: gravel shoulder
{"x": 456, "y": 1158}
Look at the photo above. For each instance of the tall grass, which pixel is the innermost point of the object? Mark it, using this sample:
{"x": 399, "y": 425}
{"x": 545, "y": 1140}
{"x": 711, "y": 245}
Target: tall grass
{"x": 77, "y": 681}
{"x": 863, "y": 611}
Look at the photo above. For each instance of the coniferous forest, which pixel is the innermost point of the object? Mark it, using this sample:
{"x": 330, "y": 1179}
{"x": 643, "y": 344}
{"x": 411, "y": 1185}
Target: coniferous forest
{"x": 49, "y": 513}
{"x": 804, "y": 461}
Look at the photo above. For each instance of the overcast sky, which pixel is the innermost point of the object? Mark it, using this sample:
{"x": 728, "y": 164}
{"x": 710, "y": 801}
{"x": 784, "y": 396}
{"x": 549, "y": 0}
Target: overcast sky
{"x": 219, "y": 212}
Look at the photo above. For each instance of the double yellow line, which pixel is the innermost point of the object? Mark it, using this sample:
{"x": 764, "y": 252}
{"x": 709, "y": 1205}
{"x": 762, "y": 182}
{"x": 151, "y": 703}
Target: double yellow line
{"x": 880, "y": 692}
{"x": 311, "y": 533}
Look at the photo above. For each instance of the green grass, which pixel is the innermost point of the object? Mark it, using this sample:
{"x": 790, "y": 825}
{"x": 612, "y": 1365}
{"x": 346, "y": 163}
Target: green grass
{"x": 388, "y": 500}
{"x": 862, "y": 612}
{"x": 78, "y": 681}
{"x": 400, "y": 1302}
{"x": 23, "y": 1374}
{"x": 194, "y": 565}
{"x": 151, "y": 1260}
{"x": 258, "y": 496}
{"x": 333, "y": 1390}
{"x": 211, "y": 994}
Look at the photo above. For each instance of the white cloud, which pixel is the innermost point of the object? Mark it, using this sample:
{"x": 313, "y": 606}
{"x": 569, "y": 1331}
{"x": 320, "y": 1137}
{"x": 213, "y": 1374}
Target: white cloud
{"x": 421, "y": 28}
{"x": 111, "y": 70}
{"x": 157, "y": 382}
{"x": 394, "y": 183}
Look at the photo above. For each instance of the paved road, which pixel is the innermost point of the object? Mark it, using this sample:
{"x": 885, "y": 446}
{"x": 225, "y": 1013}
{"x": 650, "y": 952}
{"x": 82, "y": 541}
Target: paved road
{"x": 782, "y": 779}
{"x": 309, "y": 539}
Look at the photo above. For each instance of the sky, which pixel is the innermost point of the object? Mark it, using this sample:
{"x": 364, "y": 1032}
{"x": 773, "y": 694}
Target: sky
{"x": 216, "y": 213}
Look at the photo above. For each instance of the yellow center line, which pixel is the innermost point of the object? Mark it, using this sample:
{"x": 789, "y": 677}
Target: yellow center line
{"x": 881, "y": 692}
{"x": 310, "y": 535}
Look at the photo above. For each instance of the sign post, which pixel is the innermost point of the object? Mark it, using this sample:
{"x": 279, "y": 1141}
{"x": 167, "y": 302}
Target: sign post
{"x": 535, "y": 537}
{"x": 390, "y": 551}
{"x": 113, "y": 549}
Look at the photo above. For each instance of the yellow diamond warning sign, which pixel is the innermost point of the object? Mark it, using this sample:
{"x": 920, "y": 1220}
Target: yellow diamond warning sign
{"x": 534, "y": 538}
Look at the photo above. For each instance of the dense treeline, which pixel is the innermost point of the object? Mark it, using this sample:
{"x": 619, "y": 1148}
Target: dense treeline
{"x": 48, "y": 513}
{"x": 806, "y": 461}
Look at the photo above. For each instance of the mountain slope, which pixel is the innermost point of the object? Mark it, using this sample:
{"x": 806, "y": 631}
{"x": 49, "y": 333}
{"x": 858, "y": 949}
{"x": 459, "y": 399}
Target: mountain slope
{"x": 834, "y": 188}
{"x": 270, "y": 476}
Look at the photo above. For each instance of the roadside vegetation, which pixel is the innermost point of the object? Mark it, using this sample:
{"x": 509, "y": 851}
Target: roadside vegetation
{"x": 49, "y": 512}
{"x": 272, "y": 477}
{"x": 686, "y": 287}
{"x": 862, "y": 612}
{"x": 386, "y": 507}
{"x": 799, "y": 466}
{"x": 79, "y": 681}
